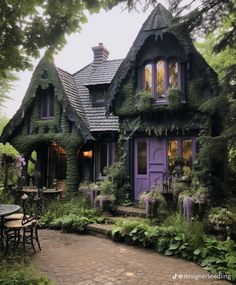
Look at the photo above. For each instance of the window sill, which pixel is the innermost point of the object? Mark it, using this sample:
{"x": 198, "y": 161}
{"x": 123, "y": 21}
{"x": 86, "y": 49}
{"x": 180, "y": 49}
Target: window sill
{"x": 160, "y": 101}
{"x": 47, "y": 118}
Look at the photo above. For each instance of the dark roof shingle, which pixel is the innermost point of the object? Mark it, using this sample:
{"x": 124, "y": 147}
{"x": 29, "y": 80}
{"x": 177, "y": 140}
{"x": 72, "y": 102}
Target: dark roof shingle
{"x": 104, "y": 73}
{"x": 96, "y": 116}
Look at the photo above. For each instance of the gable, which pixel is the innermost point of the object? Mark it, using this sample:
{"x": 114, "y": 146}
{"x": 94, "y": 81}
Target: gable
{"x": 64, "y": 90}
{"x": 156, "y": 39}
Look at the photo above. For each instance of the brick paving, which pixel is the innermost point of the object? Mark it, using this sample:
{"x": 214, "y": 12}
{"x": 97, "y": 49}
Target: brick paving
{"x": 71, "y": 259}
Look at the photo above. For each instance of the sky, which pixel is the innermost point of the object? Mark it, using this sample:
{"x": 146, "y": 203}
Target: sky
{"x": 116, "y": 29}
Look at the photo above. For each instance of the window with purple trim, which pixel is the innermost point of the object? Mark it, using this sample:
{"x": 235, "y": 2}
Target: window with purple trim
{"x": 160, "y": 75}
{"x": 47, "y": 103}
{"x": 106, "y": 153}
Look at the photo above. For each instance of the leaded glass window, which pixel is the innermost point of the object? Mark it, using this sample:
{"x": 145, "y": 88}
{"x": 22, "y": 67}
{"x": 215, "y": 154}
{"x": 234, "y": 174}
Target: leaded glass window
{"x": 172, "y": 152}
{"x": 187, "y": 150}
{"x": 173, "y": 74}
{"x": 160, "y": 78}
{"x": 148, "y": 78}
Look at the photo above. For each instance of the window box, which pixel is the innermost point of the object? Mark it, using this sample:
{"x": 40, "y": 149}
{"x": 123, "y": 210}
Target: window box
{"x": 144, "y": 101}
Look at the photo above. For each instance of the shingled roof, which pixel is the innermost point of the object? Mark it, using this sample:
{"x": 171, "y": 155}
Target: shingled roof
{"x": 103, "y": 74}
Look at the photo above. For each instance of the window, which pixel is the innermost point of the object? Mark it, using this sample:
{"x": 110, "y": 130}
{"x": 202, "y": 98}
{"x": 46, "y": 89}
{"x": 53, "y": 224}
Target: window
{"x": 148, "y": 78}
{"x": 105, "y": 156}
{"x": 142, "y": 158}
{"x": 47, "y": 103}
{"x": 160, "y": 79}
{"x": 181, "y": 149}
{"x": 161, "y": 75}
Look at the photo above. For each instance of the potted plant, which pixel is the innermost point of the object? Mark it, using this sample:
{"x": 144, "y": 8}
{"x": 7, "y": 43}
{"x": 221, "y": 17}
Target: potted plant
{"x": 151, "y": 200}
{"x": 89, "y": 190}
{"x": 199, "y": 198}
{"x": 106, "y": 197}
{"x": 221, "y": 219}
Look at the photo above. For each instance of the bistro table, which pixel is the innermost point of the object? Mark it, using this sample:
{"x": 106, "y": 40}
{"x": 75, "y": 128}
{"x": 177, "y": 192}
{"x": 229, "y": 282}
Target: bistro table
{"x": 5, "y": 210}
{"x": 50, "y": 193}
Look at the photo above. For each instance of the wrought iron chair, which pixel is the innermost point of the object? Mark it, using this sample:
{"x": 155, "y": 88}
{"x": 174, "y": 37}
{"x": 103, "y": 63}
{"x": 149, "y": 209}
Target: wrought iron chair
{"x": 19, "y": 216}
{"x": 24, "y": 231}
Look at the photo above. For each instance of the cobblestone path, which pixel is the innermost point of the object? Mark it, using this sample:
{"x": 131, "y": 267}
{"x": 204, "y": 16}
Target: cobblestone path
{"x": 71, "y": 259}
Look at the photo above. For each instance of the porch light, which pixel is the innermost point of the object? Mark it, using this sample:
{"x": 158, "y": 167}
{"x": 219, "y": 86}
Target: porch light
{"x": 88, "y": 154}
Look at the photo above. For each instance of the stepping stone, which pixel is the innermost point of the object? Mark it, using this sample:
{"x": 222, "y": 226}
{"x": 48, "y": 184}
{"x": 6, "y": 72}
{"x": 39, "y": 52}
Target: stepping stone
{"x": 102, "y": 230}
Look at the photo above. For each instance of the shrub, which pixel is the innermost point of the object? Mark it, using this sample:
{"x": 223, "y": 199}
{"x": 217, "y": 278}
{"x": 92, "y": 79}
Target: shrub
{"x": 18, "y": 274}
{"x": 72, "y": 216}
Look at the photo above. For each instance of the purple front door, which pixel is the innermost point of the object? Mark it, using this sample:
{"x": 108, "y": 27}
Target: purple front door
{"x": 150, "y": 164}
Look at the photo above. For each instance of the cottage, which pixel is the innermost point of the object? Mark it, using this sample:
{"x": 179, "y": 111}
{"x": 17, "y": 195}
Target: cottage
{"x": 149, "y": 102}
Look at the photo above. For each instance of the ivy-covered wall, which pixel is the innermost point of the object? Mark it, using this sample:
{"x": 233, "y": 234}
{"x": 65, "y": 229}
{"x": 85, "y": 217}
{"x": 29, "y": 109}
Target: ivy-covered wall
{"x": 34, "y": 133}
{"x": 131, "y": 104}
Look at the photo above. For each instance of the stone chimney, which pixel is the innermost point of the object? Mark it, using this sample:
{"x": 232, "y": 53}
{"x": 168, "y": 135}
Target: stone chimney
{"x": 100, "y": 54}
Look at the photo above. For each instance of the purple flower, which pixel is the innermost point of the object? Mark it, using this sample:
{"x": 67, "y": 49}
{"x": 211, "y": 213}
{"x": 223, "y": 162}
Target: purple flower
{"x": 188, "y": 207}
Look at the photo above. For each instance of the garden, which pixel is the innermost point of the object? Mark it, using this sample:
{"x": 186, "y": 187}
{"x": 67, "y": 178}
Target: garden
{"x": 190, "y": 224}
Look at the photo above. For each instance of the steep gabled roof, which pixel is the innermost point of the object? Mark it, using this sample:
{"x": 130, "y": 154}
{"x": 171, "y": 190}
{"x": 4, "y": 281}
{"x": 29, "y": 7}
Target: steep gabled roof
{"x": 157, "y": 24}
{"x": 46, "y": 73}
{"x": 96, "y": 117}
{"x": 71, "y": 92}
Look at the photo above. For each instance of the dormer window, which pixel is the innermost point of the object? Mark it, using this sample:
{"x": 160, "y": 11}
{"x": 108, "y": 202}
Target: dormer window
{"x": 47, "y": 103}
{"x": 159, "y": 76}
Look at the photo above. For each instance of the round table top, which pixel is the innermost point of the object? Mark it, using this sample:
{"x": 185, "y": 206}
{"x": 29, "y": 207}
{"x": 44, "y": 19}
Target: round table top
{"x": 52, "y": 191}
{"x": 7, "y": 209}
{"x": 46, "y": 191}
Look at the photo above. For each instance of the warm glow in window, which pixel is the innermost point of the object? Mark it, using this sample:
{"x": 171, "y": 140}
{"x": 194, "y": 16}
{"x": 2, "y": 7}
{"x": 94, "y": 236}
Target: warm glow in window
{"x": 148, "y": 78}
{"x": 187, "y": 150}
{"x": 172, "y": 149}
{"x": 173, "y": 74}
{"x": 160, "y": 78}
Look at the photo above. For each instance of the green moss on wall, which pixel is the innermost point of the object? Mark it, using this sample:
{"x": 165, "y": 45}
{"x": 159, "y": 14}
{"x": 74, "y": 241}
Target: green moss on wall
{"x": 194, "y": 94}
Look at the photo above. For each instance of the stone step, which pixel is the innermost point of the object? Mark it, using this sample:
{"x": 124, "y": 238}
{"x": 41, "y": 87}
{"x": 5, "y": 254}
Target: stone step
{"x": 102, "y": 230}
{"x": 130, "y": 211}
{"x": 114, "y": 219}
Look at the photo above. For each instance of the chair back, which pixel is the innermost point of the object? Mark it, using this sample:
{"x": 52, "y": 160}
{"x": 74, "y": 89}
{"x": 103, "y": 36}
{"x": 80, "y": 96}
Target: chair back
{"x": 28, "y": 211}
{"x": 38, "y": 207}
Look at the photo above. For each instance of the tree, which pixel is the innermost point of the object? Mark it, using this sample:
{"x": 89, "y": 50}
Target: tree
{"x": 28, "y": 26}
{"x": 215, "y": 19}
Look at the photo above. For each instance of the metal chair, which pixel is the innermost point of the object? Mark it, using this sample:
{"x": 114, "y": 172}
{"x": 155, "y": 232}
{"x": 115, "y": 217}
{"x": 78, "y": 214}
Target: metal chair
{"x": 24, "y": 231}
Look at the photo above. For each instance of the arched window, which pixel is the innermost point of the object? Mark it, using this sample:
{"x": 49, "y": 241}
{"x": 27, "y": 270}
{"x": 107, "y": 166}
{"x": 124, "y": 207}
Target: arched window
{"x": 148, "y": 78}
{"x": 173, "y": 74}
{"x": 161, "y": 75}
{"x": 160, "y": 79}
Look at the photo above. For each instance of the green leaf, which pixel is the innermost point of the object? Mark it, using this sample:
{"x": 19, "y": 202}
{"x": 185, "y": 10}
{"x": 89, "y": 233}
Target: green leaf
{"x": 168, "y": 252}
{"x": 197, "y": 251}
{"x": 174, "y": 246}
{"x": 204, "y": 262}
